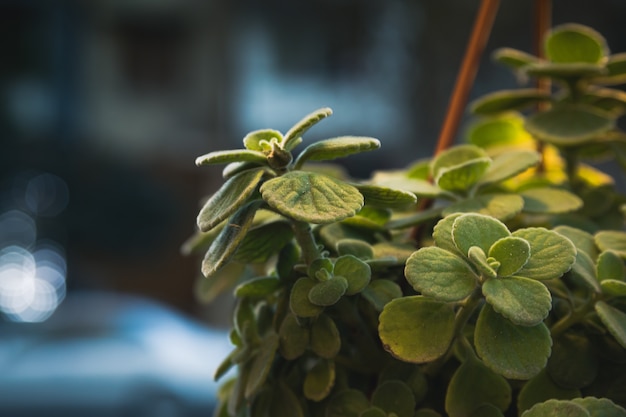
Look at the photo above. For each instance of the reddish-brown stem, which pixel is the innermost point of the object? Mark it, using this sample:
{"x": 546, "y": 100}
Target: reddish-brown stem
{"x": 542, "y": 21}
{"x": 469, "y": 67}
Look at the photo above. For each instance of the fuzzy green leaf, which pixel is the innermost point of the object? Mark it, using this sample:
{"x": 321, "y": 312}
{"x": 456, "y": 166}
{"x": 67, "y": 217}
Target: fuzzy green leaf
{"x": 355, "y": 247}
{"x": 569, "y": 124}
{"x": 583, "y": 271}
{"x": 551, "y": 255}
{"x": 500, "y": 206}
{"x": 258, "y": 287}
{"x": 319, "y": 380}
{"x": 394, "y": 397}
{"x": 258, "y": 140}
{"x": 513, "y": 57}
{"x": 440, "y": 274}
{"x": 610, "y": 266}
{"x": 416, "y": 329}
{"x": 613, "y": 287}
{"x": 462, "y": 176}
{"x": 293, "y": 338}
{"x": 477, "y": 230}
{"x": 347, "y": 403}
{"x": 556, "y": 408}
{"x": 328, "y": 149}
{"x": 284, "y": 402}
{"x": 600, "y": 407}
{"x": 263, "y": 242}
{"x": 512, "y": 253}
{"x": 542, "y": 388}
{"x": 498, "y": 131}
{"x": 229, "y": 239}
{"x": 327, "y": 293}
{"x": 230, "y": 156}
{"x": 582, "y": 240}
{"x": 474, "y": 384}
{"x": 524, "y": 301}
{"x": 313, "y": 198}
{"x": 355, "y": 271}
{"x": 380, "y": 292}
{"x": 508, "y": 100}
{"x": 574, "y": 361}
{"x": 299, "y": 298}
{"x": 370, "y": 217}
{"x": 516, "y": 352}
{"x": 325, "y": 337}
{"x": 455, "y": 156}
{"x": 614, "y": 320}
{"x": 292, "y": 137}
{"x": 548, "y": 200}
{"x": 571, "y": 42}
{"x": 478, "y": 258}
{"x": 509, "y": 164}
{"x": 442, "y": 234}
{"x": 261, "y": 364}
{"x": 612, "y": 240}
{"x": 385, "y": 197}
{"x": 231, "y": 196}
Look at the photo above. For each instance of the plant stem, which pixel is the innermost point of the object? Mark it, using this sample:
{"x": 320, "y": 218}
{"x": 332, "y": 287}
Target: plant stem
{"x": 467, "y": 73}
{"x": 304, "y": 237}
{"x": 542, "y": 18}
{"x": 571, "y": 166}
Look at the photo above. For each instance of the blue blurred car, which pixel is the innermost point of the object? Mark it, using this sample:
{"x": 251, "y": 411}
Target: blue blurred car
{"x": 109, "y": 355}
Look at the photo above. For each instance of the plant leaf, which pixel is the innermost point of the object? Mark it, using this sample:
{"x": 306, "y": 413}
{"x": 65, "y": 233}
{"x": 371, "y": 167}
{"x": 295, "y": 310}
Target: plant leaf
{"x": 516, "y": 352}
{"x": 290, "y": 140}
{"x": 462, "y": 176}
{"x": 259, "y": 287}
{"x": 380, "y": 292}
{"x": 572, "y": 42}
{"x": 574, "y": 361}
{"x": 513, "y": 57}
{"x": 327, "y": 293}
{"x": 542, "y": 388}
{"x": 455, "y": 156}
{"x": 613, "y": 287}
{"x": 319, "y": 381}
{"x": 614, "y": 320}
{"x": 355, "y": 271}
{"x": 346, "y": 403}
{"x": 230, "y": 156}
{"x": 293, "y": 338}
{"x": 263, "y": 242}
{"x": 614, "y": 240}
{"x": 509, "y": 164}
{"x": 551, "y": 255}
{"x": 395, "y": 397}
{"x": 231, "y": 196}
{"x": 524, "y": 301}
{"x": 583, "y": 270}
{"x": 442, "y": 234}
{"x": 508, "y": 100}
{"x": 310, "y": 197}
{"x": 556, "y": 408}
{"x": 609, "y": 266}
{"x": 416, "y": 329}
{"x": 261, "y": 364}
{"x": 497, "y": 131}
{"x": 355, "y": 247}
{"x": 474, "y": 384}
{"x": 328, "y": 149}
{"x": 600, "y": 407}
{"x": 252, "y": 140}
{"x": 299, "y": 298}
{"x": 477, "y": 230}
{"x": 500, "y": 206}
{"x": 482, "y": 264}
{"x": 325, "y": 338}
{"x": 229, "y": 239}
{"x": 370, "y": 218}
{"x": 550, "y": 200}
{"x": 385, "y": 197}
{"x": 440, "y": 274}
{"x": 512, "y": 253}
{"x": 582, "y": 240}
{"x": 569, "y": 124}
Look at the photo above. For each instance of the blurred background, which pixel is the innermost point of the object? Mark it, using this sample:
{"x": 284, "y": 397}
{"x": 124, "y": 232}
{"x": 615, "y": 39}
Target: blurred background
{"x": 105, "y": 104}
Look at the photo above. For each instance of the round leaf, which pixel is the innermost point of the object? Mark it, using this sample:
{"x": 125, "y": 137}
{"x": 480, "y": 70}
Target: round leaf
{"x": 569, "y": 125}
{"x": 613, "y": 287}
{"x": 612, "y": 240}
{"x": 394, "y": 397}
{"x": 524, "y": 301}
{"x": 584, "y": 272}
{"x": 258, "y": 287}
{"x": 442, "y": 234}
{"x": 416, "y": 329}
{"x": 380, "y": 292}
{"x": 495, "y": 132}
{"x": 574, "y": 362}
{"x": 385, "y": 197}
{"x": 581, "y": 239}
{"x": 462, "y": 176}
{"x": 509, "y": 164}
{"x": 507, "y": 100}
{"x": 439, "y": 274}
{"x": 614, "y": 320}
{"x": 551, "y": 254}
{"x": 293, "y": 338}
{"x": 610, "y": 266}
{"x": 311, "y": 197}
{"x": 515, "y": 352}
{"x": 472, "y": 385}
{"x": 299, "y": 298}
{"x": 542, "y": 388}
{"x": 512, "y": 253}
{"x": 575, "y": 43}
{"x": 327, "y": 293}
{"x": 547, "y": 200}
{"x": 319, "y": 381}
{"x": 482, "y": 264}
{"x": 231, "y": 196}
{"x": 261, "y": 364}
{"x": 600, "y": 407}
{"x": 325, "y": 338}
{"x": 513, "y": 58}
{"x": 347, "y": 403}
{"x": 500, "y": 206}
{"x": 355, "y": 271}
{"x": 477, "y": 230}
{"x": 455, "y": 156}
{"x": 355, "y": 247}
{"x": 556, "y": 408}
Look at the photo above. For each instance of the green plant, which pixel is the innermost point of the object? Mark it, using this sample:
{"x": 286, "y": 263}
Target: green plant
{"x": 486, "y": 281}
